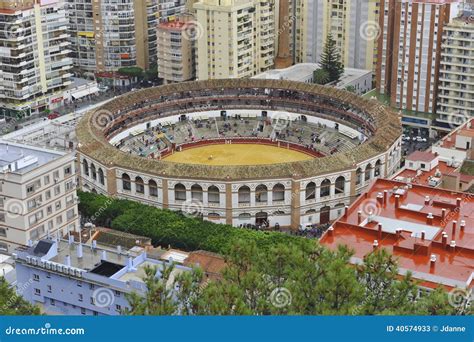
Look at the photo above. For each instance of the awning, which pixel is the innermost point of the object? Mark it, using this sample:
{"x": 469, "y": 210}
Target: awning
{"x": 85, "y": 92}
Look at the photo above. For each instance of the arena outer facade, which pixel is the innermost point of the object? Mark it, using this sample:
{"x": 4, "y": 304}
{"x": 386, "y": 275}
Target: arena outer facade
{"x": 294, "y": 194}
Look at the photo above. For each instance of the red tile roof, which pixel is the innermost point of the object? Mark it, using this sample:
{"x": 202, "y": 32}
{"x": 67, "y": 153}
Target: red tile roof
{"x": 454, "y": 266}
{"x": 421, "y": 156}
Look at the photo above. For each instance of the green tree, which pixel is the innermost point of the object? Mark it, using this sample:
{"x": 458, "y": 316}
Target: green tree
{"x": 134, "y": 72}
{"x": 351, "y": 89}
{"x": 168, "y": 292}
{"x": 13, "y": 304}
{"x": 331, "y": 60}
{"x": 321, "y": 76}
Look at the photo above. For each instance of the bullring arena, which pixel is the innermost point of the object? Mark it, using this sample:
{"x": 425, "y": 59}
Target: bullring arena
{"x": 248, "y": 151}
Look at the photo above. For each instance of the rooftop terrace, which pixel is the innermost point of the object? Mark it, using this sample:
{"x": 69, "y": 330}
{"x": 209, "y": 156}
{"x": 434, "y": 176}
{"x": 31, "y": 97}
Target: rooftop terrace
{"x": 430, "y": 231}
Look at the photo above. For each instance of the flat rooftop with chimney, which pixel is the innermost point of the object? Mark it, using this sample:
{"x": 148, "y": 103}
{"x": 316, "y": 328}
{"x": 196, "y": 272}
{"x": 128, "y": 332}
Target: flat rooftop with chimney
{"x": 430, "y": 231}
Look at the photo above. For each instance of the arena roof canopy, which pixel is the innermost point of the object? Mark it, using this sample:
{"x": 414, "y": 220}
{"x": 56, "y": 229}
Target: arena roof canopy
{"x": 379, "y": 123}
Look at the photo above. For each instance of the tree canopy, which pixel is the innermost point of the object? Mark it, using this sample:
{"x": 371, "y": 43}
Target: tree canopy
{"x": 331, "y": 60}
{"x": 290, "y": 280}
{"x": 13, "y": 304}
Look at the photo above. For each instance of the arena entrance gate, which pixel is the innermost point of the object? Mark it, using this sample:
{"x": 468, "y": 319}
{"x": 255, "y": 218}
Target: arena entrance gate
{"x": 261, "y": 219}
{"x": 324, "y": 215}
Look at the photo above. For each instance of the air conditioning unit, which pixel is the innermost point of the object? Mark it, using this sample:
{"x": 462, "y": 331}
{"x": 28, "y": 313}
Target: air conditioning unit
{"x": 48, "y": 265}
{"x": 34, "y": 261}
{"x": 28, "y": 259}
{"x": 54, "y": 267}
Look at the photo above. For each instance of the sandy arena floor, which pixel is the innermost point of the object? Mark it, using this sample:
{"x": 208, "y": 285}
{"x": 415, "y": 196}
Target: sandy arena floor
{"x": 237, "y": 154}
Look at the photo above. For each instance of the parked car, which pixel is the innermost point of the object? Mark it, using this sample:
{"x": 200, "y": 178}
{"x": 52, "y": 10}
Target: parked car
{"x": 53, "y": 116}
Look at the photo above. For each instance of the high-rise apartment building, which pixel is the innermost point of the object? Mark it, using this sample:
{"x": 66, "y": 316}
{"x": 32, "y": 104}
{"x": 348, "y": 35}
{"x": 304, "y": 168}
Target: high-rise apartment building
{"x": 38, "y": 194}
{"x": 410, "y": 51}
{"x": 109, "y": 34}
{"x": 352, "y": 23}
{"x": 456, "y": 74}
{"x": 176, "y": 51}
{"x": 34, "y": 62}
{"x": 235, "y": 38}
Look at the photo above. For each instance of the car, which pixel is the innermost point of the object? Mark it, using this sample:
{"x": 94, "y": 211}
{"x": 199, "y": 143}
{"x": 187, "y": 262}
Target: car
{"x": 53, "y": 116}
{"x": 103, "y": 88}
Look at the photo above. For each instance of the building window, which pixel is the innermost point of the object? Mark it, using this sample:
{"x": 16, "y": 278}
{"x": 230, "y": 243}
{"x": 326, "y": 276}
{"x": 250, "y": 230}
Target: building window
{"x": 3, "y": 232}
{"x": 153, "y": 188}
{"x": 278, "y": 193}
{"x": 67, "y": 170}
{"x": 310, "y": 192}
{"x": 53, "y": 303}
{"x": 83, "y": 311}
{"x": 179, "y": 192}
{"x": 139, "y": 185}
{"x": 49, "y": 289}
{"x": 126, "y": 184}
{"x": 38, "y": 292}
{"x": 325, "y": 188}
{"x": 196, "y": 192}
{"x": 213, "y": 194}
{"x": 80, "y": 297}
{"x": 101, "y": 177}
{"x": 244, "y": 194}
{"x": 118, "y": 308}
{"x": 261, "y": 194}
{"x": 340, "y": 185}
{"x": 36, "y": 277}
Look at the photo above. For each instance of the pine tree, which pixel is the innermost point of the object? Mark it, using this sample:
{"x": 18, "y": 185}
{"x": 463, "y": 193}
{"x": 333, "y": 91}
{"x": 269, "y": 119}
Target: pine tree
{"x": 13, "y": 304}
{"x": 331, "y": 60}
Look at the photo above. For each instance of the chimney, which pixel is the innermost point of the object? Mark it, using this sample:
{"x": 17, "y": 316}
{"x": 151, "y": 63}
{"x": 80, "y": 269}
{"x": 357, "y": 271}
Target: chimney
{"x": 380, "y": 198}
{"x": 130, "y": 263}
{"x": 398, "y": 233}
{"x": 443, "y": 213}
{"x": 94, "y": 244}
{"x": 380, "y": 231}
{"x": 432, "y": 262}
{"x": 444, "y": 240}
{"x": 427, "y": 200}
{"x": 331, "y": 231}
{"x": 375, "y": 245}
{"x": 104, "y": 256}
{"x": 423, "y": 235}
{"x": 359, "y": 217}
{"x": 67, "y": 260}
{"x": 397, "y": 201}
{"x": 79, "y": 251}
{"x": 70, "y": 238}
{"x": 463, "y": 225}
{"x": 385, "y": 195}
{"x": 429, "y": 218}
{"x": 346, "y": 211}
{"x": 458, "y": 202}
{"x": 119, "y": 249}
{"x": 454, "y": 227}
{"x": 452, "y": 246}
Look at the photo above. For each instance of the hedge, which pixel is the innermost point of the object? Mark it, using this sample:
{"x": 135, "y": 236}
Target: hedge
{"x": 166, "y": 227}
